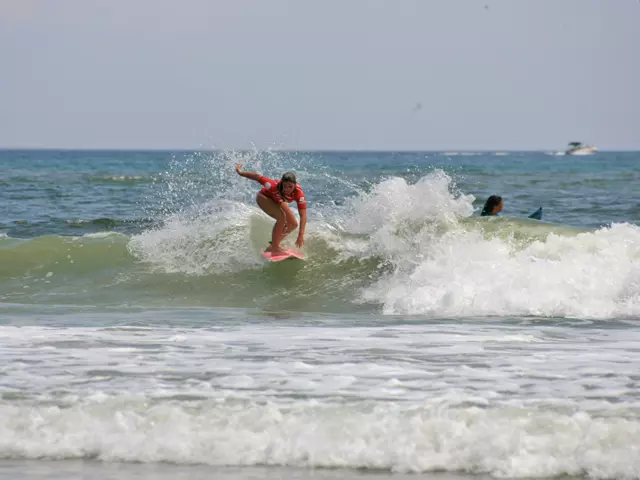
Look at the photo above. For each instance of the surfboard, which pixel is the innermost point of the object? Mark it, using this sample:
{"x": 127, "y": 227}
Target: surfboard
{"x": 288, "y": 255}
{"x": 537, "y": 214}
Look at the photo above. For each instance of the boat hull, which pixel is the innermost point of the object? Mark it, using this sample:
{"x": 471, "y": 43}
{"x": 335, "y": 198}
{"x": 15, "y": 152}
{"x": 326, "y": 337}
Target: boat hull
{"x": 581, "y": 151}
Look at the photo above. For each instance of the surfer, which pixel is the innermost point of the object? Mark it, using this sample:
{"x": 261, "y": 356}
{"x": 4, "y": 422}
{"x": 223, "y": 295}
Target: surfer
{"x": 273, "y": 200}
{"x": 492, "y": 207}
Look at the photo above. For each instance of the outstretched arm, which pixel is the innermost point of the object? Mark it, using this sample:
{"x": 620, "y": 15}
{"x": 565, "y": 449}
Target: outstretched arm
{"x": 249, "y": 175}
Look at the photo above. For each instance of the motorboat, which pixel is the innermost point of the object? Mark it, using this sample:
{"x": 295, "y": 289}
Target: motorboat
{"x": 577, "y": 148}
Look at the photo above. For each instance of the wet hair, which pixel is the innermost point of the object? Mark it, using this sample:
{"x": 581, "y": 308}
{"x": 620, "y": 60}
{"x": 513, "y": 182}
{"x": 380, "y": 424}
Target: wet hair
{"x": 492, "y": 202}
{"x": 287, "y": 177}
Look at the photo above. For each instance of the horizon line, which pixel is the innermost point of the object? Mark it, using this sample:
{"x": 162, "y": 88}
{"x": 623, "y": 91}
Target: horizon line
{"x": 293, "y": 150}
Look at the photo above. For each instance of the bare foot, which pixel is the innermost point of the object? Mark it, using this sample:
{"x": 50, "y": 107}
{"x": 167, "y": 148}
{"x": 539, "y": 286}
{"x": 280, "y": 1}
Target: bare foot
{"x": 277, "y": 251}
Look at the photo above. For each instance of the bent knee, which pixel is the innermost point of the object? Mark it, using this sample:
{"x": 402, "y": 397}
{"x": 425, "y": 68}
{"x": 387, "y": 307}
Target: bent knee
{"x": 292, "y": 223}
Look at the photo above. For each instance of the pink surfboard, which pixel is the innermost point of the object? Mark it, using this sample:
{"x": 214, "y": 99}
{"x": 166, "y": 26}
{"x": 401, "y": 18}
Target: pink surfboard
{"x": 288, "y": 254}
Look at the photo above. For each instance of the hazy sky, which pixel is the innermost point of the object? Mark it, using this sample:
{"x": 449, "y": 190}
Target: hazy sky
{"x": 329, "y": 74}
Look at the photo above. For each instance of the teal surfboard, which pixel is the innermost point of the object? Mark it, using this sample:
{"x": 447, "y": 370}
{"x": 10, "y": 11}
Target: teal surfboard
{"x": 537, "y": 215}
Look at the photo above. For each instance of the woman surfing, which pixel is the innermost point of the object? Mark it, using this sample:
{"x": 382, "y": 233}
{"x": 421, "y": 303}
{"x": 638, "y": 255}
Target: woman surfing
{"x": 273, "y": 200}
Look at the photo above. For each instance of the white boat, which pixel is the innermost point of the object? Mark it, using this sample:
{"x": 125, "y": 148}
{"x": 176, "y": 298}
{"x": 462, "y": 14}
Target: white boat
{"x": 577, "y": 148}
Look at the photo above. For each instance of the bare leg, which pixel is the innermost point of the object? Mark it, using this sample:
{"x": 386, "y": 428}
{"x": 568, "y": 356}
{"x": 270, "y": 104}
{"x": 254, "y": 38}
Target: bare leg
{"x": 284, "y": 225}
{"x": 278, "y": 234}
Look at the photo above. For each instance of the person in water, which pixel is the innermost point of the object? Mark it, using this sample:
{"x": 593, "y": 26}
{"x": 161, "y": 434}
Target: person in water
{"x": 273, "y": 200}
{"x": 492, "y": 207}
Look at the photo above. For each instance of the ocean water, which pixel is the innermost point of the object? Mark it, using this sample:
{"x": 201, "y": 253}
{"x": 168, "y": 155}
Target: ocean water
{"x": 143, "y": 335}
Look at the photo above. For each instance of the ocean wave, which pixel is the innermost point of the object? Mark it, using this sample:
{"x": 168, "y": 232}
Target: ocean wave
{"x": 126, "y": 179}
{"x": 26, "y": 257}
{"x": 76, "y": 226}
{"x": 111, "y": 223}
{"x": 512, "y": 442}
{"x": 470, "y": 273}
{"x": 400, "y": 248}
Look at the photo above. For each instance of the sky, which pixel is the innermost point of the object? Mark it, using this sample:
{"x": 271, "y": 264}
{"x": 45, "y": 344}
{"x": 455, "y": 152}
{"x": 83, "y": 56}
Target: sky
{"x": 320, "y": 75}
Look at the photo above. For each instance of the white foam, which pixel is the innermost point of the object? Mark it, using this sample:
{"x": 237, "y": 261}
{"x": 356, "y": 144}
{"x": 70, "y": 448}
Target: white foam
{"x": 512, "y": 442}
{"x": 512, "y": 400}
{"x": 443, "y": 267}
{"x": 463, "y": 273}
{"x": 394, "y": 211}
{"x": 217, "y": 238}
{"x": 100, "y": 235}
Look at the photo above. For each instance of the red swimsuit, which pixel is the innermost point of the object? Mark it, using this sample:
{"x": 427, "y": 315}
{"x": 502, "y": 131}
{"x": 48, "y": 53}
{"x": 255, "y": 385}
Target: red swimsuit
{"x": 271, "y": 190}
